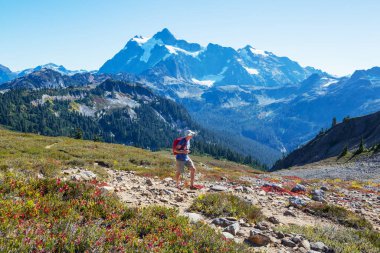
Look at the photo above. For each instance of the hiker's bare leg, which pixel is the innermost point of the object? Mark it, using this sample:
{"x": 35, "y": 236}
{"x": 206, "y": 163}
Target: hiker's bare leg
{"x": 177, "y": 177}
{"x": 192, "y": 176}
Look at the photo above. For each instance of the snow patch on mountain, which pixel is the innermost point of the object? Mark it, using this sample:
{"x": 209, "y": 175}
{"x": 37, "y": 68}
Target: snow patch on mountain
{"x": 147, "y": 47}
{"x": 264, "y": 100}
{"x": 140, "y": 39}
{"x": 251, "y": 71}
{"x": 176, "y": 50}
{"x": 258, "y": 52}
{"x": 207, "y": 83}
{"x": 328, "y": 82}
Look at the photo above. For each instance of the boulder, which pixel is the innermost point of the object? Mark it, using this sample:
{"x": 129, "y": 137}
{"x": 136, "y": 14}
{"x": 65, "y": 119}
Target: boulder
{"x": 289, "y": 213}
{"x": 296, "y": 239}
{"x": 218, "y": 188}
{"x": 227, "y": 235}
{"x": 193, "y": 217}
{"x": 233, "y": 228}
{"x": 222, "y": 222}
{"x": 318, "y": 195}
{"x": 318, "y": 246}
{"x": 288, "y": 243}
{"x": 259, "y": 240}
{"x": 262, "y": 226}
{"x": 107, "y": 189}
{"x": 279, "y": 234}
{"x": 273, "y": 220}
{"x": 299, "y": 188}
{"x": 305, "y": 244}
{"x": 297, "y": 202}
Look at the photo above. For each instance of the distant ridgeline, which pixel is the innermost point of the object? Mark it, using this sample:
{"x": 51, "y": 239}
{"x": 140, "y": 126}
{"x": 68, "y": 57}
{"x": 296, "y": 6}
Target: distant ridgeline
{"x": 353, "y": 135}
{"x": 114, "y": 111}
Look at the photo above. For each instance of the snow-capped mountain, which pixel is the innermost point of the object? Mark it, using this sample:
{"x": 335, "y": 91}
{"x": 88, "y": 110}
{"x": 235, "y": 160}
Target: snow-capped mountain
{"x": 58, "y": 68}
{"x": 169, "y": 60}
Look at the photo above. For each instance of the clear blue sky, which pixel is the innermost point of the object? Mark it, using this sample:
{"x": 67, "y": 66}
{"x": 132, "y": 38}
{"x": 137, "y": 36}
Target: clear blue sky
{"x": 337, "y": 36}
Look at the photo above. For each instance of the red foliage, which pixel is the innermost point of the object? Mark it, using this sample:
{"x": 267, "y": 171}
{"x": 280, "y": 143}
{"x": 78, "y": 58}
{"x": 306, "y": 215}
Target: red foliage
{"x": 278, "y": 190}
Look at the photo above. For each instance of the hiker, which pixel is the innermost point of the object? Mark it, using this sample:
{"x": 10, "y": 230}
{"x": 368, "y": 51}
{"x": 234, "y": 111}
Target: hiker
{"x": 181, "y": 148}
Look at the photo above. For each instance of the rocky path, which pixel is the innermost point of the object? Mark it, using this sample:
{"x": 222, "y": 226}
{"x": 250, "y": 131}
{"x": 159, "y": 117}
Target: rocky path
{"x": 142, "y": 191}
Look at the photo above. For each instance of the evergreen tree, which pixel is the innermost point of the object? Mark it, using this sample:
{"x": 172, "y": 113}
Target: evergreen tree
{"x": 334, "y": 122}
{"x": 361, "y": 148}
{"x": 344, "y": 152}
{"x": 78, "y": 134}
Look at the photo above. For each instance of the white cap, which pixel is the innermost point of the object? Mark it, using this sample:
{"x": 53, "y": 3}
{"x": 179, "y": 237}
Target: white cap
{"x": 190, "y": 133}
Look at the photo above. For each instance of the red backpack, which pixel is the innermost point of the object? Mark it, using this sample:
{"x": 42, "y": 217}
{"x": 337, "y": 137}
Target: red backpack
{"x": 175, "y": 144}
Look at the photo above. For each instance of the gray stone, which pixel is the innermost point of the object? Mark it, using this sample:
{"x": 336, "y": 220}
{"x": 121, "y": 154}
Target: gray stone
{"x": 254, "y": 232}
{"x": 218, "y": 188}
{"x": 318, "y": 246}
{"x": 273, "y": 220}
{"x": 107, "y": 189}
{"x": 288, "y": 243}
{"x": 318, "y": 195}
{"x": 296, "y": 239}
{"x": 227, "y": 235}
{"x": 299, "y": 188}
{"x": 262, "y": 226}
{"x": 289, "y": 213}
{"x": 193, "y": 217}
{"x": 279, "y": 234}
{"x": 222, "y": 222}
{"x": 305, "y": 244}
{"x": 297, "y": 202}
{"x": 324, "y": 188}
{"x": 233, "y": 228}
{"x": 149, "y": 182}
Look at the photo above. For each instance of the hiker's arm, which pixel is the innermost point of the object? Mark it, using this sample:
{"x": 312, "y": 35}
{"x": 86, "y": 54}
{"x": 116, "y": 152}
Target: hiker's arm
{"x": 181, "y": 151}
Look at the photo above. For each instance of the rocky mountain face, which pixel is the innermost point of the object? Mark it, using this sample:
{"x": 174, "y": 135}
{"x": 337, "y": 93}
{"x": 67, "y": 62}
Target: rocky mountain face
{"x": 5, "y": 74}
{"x": 332, "y": 142}
{"x": 47, "y": 78}
{"x": 175, "y": 61}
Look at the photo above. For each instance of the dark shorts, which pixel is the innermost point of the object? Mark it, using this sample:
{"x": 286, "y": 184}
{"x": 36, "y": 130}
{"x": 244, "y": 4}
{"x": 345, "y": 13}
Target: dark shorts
{"x": 181, "y": 165}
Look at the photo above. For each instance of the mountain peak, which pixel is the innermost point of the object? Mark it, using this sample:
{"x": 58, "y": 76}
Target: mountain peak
{"x": 165, "y": 35}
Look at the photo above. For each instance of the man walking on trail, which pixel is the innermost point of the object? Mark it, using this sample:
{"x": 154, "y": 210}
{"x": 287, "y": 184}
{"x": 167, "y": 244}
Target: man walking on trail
{"x": 182, "y": 149}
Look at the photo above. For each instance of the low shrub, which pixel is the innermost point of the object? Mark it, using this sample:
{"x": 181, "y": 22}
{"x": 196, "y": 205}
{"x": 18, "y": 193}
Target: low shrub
{"x": 343, "y": 240}
{"x": 340, "y": 215}
{"x": 54, "y": 216}
{"x": 224, "y": 204}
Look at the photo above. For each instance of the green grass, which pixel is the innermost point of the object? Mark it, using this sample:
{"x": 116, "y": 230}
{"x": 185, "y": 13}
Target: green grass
{"x": 343, "y": 240}
{"x": 56, "y": 216}
{"x": 223, "y": 205}
{"x": 30, "y": 154}
{"x": 340, "y": 215}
